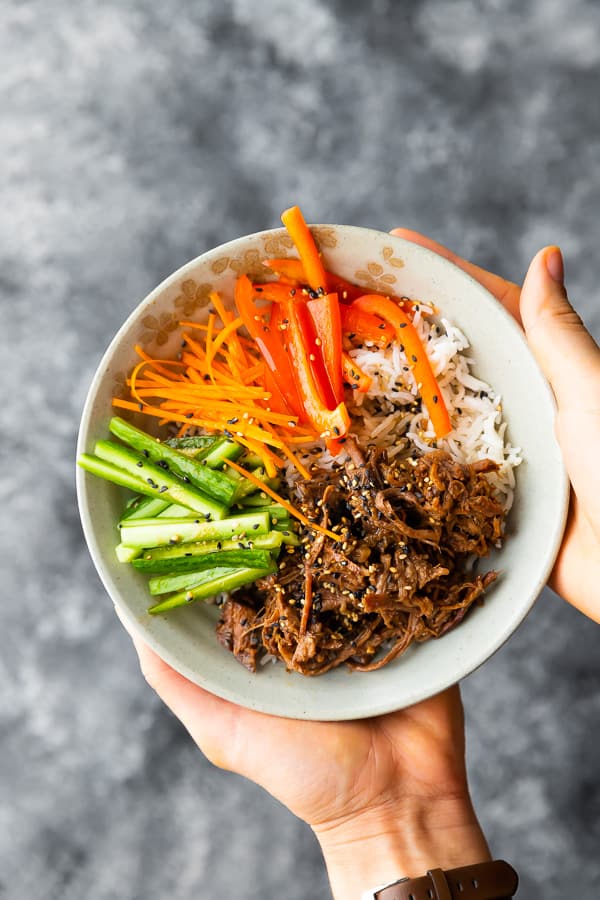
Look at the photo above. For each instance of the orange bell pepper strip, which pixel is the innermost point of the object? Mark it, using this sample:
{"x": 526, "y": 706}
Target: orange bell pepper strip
{"x": 407, "y": 336}
{"x": 325, "y": 314}
{"x": 300, "y": 233}
{"x": 289, "y": 268}
{"x": 328, "y": 423}
{"x": 366, "y": 326}
{"x": 269, "y": 343}
{"x": 354, "y": 375}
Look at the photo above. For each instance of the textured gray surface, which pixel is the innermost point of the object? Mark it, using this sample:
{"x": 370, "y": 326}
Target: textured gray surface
{"x": 133, "y": 136}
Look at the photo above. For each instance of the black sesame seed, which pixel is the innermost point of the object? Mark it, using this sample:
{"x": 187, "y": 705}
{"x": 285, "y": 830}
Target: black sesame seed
{"x": 139, "y": 464}
{"x": 403, "y": 324}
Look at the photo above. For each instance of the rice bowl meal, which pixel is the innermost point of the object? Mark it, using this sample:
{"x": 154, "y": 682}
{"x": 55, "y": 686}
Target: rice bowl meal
{"x": 329, "y": 469}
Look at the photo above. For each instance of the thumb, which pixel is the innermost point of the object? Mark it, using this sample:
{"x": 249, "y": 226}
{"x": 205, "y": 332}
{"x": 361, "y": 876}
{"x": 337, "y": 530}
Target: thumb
{"x": 567, "y": 353}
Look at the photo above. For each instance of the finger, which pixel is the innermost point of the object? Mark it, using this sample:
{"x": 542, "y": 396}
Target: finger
{"x": 505, "y": 291}
{"x": 565, "y": 350}
{"x": 570, "y": 359}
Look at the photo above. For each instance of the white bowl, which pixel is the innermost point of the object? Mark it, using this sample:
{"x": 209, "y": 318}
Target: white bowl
{"x": 185, "y": 638}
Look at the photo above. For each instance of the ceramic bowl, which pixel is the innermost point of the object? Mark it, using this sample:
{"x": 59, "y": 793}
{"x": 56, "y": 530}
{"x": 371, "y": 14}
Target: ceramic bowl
{"x": 185, "y": 638}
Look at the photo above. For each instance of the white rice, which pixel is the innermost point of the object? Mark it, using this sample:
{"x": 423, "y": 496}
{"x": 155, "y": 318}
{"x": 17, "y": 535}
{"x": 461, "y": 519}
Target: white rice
{"x": 387, "y": 413}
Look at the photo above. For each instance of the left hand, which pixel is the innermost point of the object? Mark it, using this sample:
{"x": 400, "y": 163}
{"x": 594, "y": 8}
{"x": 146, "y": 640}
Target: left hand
{"x": 386, "y": 797}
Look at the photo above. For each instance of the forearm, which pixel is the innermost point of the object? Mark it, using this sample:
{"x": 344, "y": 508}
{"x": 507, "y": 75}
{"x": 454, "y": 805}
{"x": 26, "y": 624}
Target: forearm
{"x": 383, "y": 845}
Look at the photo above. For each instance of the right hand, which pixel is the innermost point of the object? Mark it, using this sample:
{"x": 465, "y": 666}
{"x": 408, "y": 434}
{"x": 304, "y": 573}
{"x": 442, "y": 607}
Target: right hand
{"x": 570, "y": 358}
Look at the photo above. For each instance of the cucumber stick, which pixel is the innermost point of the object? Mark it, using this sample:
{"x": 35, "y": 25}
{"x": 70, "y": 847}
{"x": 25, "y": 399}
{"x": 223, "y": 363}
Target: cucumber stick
{"x": 213, "y": 566}
{"x": 210, "y": 588}
{"x": 217, "y": 485}
{"x": 160, "y": 532}
{"x": 161, "y": 481}
{"x": 234, "y": 559}
{"x": 271, "y": 541}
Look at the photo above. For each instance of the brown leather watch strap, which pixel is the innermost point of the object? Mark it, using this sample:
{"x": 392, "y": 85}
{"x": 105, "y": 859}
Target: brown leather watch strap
{"x": 484, "y": 881}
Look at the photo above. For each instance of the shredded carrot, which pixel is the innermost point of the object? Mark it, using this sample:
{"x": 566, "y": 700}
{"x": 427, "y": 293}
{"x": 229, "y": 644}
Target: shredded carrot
{"x": 278, "y": 499}
{"x": 296, "y": 462}
{"x": 158, "y": 363}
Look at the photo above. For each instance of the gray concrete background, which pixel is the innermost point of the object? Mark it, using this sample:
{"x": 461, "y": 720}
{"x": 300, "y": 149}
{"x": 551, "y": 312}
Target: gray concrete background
{"x": 133, "y": 136}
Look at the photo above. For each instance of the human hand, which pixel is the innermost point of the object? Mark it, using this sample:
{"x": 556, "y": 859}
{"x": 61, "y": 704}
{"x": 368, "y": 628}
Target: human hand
{"x": 386, "y": 797}
{"x": 570, "y": 359}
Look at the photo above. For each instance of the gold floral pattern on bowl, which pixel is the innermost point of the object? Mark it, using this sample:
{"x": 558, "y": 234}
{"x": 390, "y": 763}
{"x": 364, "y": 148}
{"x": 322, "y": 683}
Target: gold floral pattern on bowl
{"x": 374, "y": 275}
{"x": 158, "y": 328}
{"x": 193, "y": 296}
{"x": 250, "y": 263}
{"x": 278, "y": 245}
{"x": 325, "y": 237}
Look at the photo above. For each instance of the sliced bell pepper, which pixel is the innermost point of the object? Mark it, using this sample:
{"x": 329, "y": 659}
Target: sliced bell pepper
{"x": 417, "y": 358}
{"x": 325, "y": 314}
{"x": 366, "y": 326}
{"x": 354, "y": 375}
{"x": 328, "y": 423}
{"x": 277, "y": 291}
{"x": 288, "y": 268}
{"x": 300, "y": 233}
{"x": 269, "y": 343}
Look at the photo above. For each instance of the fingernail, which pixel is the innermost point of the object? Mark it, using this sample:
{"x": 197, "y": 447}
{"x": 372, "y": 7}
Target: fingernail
{"x": 555, "y": 265}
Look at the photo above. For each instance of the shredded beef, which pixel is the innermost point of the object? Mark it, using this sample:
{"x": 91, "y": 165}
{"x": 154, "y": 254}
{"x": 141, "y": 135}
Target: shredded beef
{"x": 399, "y": 574}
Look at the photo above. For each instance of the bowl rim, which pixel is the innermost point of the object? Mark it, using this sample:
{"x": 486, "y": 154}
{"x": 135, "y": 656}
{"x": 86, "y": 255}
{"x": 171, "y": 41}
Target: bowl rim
{"x": 131, "y": 621}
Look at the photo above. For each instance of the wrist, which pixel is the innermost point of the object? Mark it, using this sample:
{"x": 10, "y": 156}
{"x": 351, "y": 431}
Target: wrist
{"x": 379, "y": 845}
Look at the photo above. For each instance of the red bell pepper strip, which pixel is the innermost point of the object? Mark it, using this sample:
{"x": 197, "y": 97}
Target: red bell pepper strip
{"x": 299, "y": 232}
{"x": 406, "y": 334}
{"x": 277, "y": 291}
{"x": 325, "y": 314}
{"x": 328, "y": 423}
{"x": 269, "y": 343}
{"x": 365, "y": 326}
{"x": 354, "y": 375}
